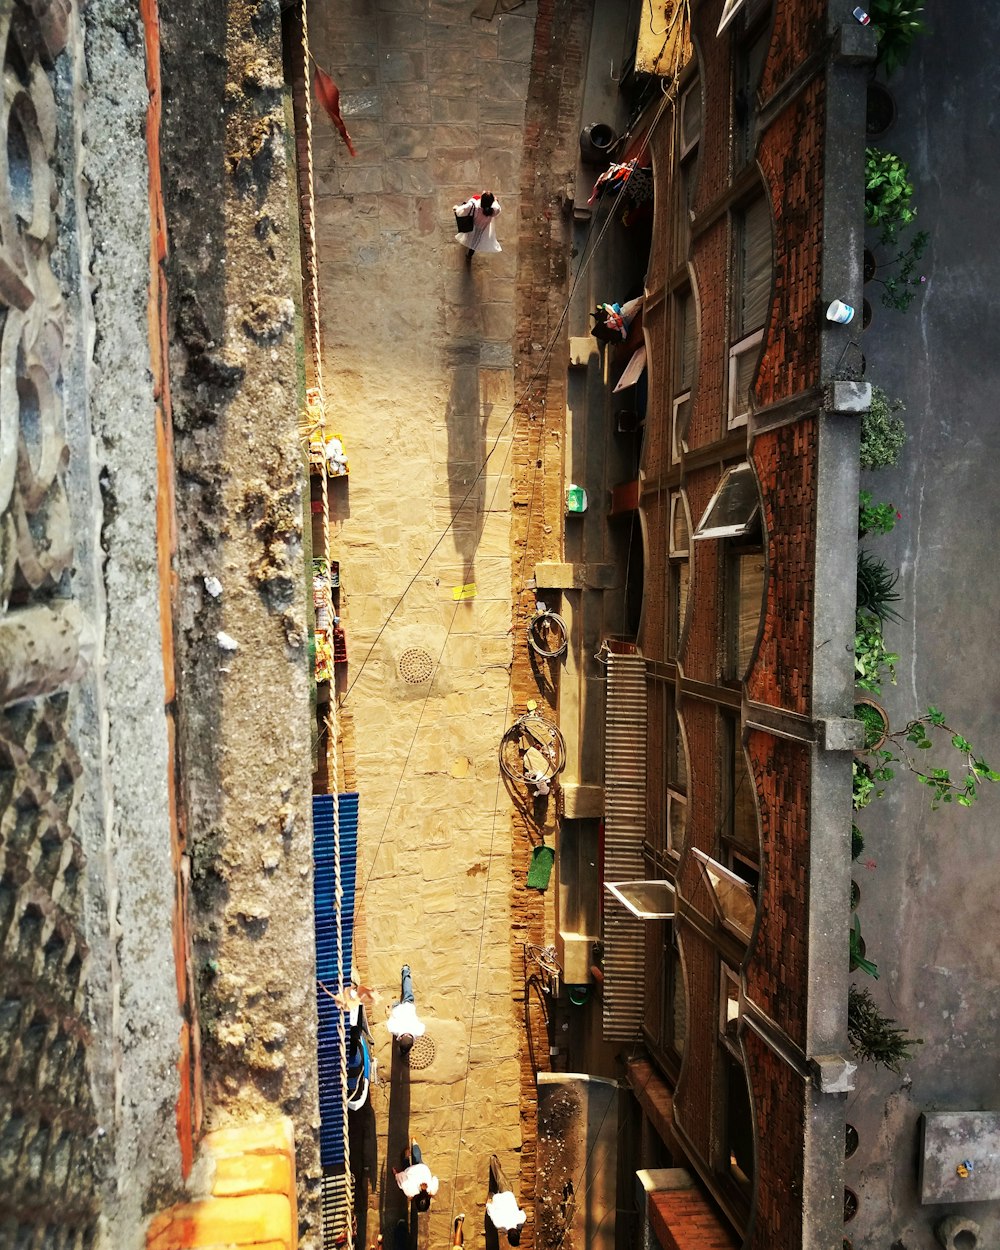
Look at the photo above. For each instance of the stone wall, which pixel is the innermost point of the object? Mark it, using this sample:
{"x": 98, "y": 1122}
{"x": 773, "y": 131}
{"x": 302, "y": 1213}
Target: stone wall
{"x": 243, "y": 678}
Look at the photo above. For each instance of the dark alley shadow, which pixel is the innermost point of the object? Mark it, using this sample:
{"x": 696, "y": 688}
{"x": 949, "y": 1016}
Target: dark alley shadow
{"x": 393, "y": 1205}
{"x": 466, "y": 447}
{"x": 363, "y": 1136}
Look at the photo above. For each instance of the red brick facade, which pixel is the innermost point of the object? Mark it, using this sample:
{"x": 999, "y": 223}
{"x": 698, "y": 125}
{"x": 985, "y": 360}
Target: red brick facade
{"x": 734, "y": 772}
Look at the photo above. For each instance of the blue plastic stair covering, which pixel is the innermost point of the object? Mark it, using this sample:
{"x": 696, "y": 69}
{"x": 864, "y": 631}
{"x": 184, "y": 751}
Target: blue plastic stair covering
{"x": 329, "y": 1050}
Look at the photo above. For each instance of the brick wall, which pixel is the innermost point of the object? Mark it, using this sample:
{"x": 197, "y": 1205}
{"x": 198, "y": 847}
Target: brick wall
{"x": 776, "y": 968}
{"x": 791, "y": 158}
{"x": 779, "y": 1111}
{"x": 551, "y": 127}
{"x": 785, "y": 461}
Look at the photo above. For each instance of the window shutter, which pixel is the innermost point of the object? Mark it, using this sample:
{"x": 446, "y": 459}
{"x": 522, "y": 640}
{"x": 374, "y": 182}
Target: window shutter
{"x": 688, "y": 347}
{"x": 746, "y": 367}
{"x": 691, "y": 117}
{"x": 756, "y": 271}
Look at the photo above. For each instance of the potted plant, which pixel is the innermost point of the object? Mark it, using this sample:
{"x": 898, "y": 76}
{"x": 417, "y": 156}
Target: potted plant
{"x": 873, "y": 1037}
{"x": 898, "y": 277}
{"x": 869, "y": 265}
{"x": 882, "y": 431}
{"x": 875, "y": 720}
{"x": 888, "y": 193}
{"x": 898, "y": 22}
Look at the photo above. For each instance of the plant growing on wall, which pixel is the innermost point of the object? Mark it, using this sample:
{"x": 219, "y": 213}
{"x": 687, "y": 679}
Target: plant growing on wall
{"x": 888, "y": 192}
{"x": 876, "y": 588}
{"x": 875, "y": 518}
{"x": 923, "y": 733}
{"x": 899, "y": 22}
{"x": 858, "y": 962}
{"x": 873, "y": 664}
{"x": 898, "y": 277}
{"x": 882, "y": 431}
{"x": 876, "y": 1038}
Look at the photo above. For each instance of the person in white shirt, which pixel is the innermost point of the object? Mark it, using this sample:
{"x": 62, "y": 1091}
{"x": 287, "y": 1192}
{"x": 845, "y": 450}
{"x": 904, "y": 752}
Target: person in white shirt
{"x": 404, "y": 1023}
{"x": 416, "y": 1179}
{"x": 506, "y": 1216}
{"x": 482, "y": 210}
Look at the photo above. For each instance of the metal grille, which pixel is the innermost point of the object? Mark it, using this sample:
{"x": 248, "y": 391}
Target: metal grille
{"x": 422, "y": 1052}
{"x": 47, "y": 1118}
{"x": 624, "y": 828}
{"x": 416, "y": 665}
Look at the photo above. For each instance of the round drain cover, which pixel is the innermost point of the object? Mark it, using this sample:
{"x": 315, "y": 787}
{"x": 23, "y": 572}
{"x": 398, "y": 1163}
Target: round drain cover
{"x": 416, "y": 665}
{"x": 422, "y": 1052}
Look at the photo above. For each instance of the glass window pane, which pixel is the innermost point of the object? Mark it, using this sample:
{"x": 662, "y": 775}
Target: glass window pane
{"x": 679, "y": 526}
{"x": 734, "y": 506}
{"x": 755, "y": 269}
{"x": 691, "y": 115}
{"x": 732, "y": 898}
{"x": 744, "y": 829}
{"x": 750, "y": 592}
{"x": 677, "y": 821}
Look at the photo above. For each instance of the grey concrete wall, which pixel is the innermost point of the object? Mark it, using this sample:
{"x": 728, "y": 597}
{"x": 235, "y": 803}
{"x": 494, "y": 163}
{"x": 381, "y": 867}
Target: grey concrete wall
{"x": 929, "y": 879}
{"x": 112, "y": 477}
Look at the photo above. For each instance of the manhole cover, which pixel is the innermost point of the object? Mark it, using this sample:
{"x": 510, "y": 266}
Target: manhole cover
{"x": 422, "y": 1052}
{"x": 416, "y": 665}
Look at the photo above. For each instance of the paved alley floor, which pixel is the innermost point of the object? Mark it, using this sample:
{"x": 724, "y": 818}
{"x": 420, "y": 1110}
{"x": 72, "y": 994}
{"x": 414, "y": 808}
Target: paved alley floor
{"x": 419, "y": 368}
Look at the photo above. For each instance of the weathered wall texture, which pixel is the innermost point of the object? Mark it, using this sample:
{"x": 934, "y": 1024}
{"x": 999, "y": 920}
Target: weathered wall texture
{"x": 244, "y": 718}
{"x": 86, "y": 849}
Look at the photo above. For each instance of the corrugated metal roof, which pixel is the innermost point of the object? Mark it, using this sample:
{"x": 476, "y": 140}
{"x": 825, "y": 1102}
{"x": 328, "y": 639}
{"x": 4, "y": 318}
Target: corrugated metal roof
{"x": 624, "y": 829}
{"x": 328, "y": 972}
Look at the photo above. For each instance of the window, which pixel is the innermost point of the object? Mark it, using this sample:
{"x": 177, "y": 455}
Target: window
{"x": 729, "y": 1008}
{"x": 729, "y": 11}
{"x": 733, "y": 510}
{"x": 649, "y": 900}
{"x": 690, "y": 118}
{"x": 744, "y": 601}
{"x": 685, "y": 347}
{"x": 738, "y": 1125}
{"x": 732, "y": 898}
{"x": 678, "y": 574}
{"x": 752, "y": 291}
{"x": 753, "y": 267}
{"x": 749, "y": 63}
{"x": 741, "y": 841}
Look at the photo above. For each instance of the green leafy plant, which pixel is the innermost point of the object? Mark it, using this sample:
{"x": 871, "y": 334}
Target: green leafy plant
{"x": 857, "y": 842}
{"x": 875, "y": 518}
{"x": 858, "y": 962}
{"x": 919, "y": 734}
{"x": 866, "y": 779}
{"x": 876, "y": 1038}
{"x": 876, "y": 588}
{"x": 899, "y": 22}
{"x": 888, "y": 192}
{"x": 874, "y": 723}
{"x": 873, "y": 664}
{"x": 898, "y": 277}
{"x": 882, "y": 431}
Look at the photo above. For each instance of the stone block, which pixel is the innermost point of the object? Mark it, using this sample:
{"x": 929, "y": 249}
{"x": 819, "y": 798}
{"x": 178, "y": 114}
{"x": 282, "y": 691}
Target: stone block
{"x": 838, "y": 734}
{"x": 850, "y": 398}
{"x": 855, "y": 44}
{"x": 833, "y": 1074}
{"x": 236, "y": 1175}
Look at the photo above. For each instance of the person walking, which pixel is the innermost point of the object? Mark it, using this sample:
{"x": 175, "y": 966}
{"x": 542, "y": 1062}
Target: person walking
{"x": 404, "y": 1023}
{"x": 416, "y": 1179}
{"x": 501, "y": 1206}
{"x": 459, "y": 1237}
{"x": 483, "y": 209}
